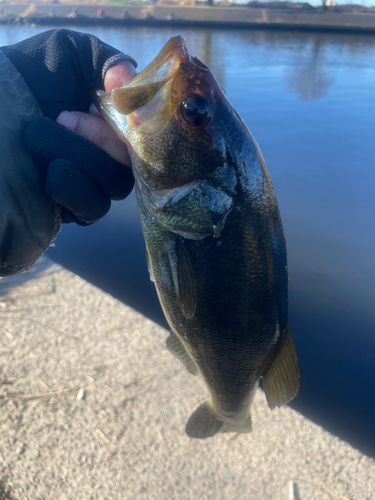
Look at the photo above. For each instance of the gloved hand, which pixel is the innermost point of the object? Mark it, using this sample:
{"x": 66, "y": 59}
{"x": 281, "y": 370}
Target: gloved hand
{"x": 63, "y": 68}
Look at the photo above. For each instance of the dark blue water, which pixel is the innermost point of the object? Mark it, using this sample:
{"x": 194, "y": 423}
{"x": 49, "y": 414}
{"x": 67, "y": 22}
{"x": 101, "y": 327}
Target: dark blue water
{"x": 309, "y": 100}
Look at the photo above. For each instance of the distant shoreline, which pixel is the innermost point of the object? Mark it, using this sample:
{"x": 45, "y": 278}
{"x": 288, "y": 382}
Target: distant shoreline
{"x": 181, "y": 16}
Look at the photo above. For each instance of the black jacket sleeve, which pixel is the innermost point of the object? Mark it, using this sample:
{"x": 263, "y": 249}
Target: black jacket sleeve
{"x": 48, "y": 174}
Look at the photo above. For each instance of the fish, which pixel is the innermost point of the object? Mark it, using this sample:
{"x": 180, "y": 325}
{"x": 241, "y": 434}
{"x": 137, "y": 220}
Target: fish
{"x": 215, "y": 245}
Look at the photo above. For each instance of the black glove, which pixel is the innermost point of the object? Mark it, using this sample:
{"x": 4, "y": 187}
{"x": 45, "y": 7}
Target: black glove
{"x": 63, "y": 68}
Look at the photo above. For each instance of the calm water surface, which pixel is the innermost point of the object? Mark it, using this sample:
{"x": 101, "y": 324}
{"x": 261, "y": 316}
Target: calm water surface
{"x": 309, "y": 100}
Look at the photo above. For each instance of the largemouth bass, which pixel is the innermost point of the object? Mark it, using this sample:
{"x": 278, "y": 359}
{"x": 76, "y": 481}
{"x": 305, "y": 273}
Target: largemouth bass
{"x": 214, "y": 238}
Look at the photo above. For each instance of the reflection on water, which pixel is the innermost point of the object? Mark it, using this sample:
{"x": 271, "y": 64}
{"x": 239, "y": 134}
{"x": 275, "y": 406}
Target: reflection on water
{"x": 207, "y": 51}
{"x": 309, "y": 100}
{"x": 308, "y": 77}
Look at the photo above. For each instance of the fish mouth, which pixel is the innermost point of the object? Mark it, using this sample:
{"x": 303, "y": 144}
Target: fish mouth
{"x": 143, "y": 104}
{"x": 143, "y": 88}
{"x": 149, "y": 101}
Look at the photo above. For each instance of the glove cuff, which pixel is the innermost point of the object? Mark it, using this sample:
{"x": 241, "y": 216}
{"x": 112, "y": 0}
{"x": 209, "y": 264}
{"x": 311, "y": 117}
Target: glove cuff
{"x": 114, "y": 60}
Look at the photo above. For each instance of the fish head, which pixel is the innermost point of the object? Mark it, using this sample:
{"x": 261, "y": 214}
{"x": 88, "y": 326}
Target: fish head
{"x": 174, "y": 118}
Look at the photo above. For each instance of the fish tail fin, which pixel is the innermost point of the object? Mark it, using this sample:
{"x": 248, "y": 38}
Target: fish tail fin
{"x": 244, "y": 427}
{"x": 281, "y": 379}
{"x": 204, "y": 423}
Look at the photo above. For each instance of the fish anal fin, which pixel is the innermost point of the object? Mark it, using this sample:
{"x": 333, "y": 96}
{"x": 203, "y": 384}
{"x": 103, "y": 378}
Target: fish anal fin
{"x": 186, "y": 297}
{"x": 176, "y": 347}
{"x": 281, "y": 377}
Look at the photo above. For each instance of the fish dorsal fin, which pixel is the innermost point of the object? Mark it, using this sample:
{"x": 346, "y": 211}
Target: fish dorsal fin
{"x": 186, "y": 297}
{"x": 126, "y": 100}
{"x": 176, "y": 347}
{"x": 281, "y": 377}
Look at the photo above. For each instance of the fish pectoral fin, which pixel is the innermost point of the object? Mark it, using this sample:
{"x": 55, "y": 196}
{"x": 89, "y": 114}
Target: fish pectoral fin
{"x": 126, "y": 100}
{"x": 186, "y": 297}
{"x": 203, "y": 423}
{"x": 176, "y": 347}
{"x": 281, "y": 379}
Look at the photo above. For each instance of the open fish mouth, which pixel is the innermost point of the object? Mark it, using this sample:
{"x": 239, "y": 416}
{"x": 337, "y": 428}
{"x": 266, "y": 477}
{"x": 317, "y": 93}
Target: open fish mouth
{"x": 143, "y": 104}
{"x": 139, "y": 91}
{"x": 155, "y": 96}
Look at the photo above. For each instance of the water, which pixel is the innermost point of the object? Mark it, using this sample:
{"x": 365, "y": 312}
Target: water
{"x": 309, "y": 100}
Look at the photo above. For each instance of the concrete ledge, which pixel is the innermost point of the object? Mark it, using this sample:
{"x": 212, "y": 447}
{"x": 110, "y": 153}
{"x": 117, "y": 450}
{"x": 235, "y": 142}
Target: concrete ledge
{"x": 94, "y": 407}
{"x": 154, "y": 15}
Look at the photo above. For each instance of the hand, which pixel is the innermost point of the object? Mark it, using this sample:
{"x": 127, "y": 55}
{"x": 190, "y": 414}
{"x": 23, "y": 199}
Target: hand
{"x": 63, "y": 68}
{"x": 92, "y": 126}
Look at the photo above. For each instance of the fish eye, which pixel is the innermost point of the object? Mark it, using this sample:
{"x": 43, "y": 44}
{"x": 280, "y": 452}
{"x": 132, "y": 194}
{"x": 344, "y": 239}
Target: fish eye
{"x": 194, "y": 110}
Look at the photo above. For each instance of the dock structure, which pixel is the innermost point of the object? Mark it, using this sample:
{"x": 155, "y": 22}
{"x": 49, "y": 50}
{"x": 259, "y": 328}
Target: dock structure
{"x": 188, "y": 16}
{"x": 92, "y": 405}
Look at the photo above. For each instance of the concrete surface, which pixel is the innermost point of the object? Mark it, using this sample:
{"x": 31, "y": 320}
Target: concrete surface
{"x": 92, "y": 406}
